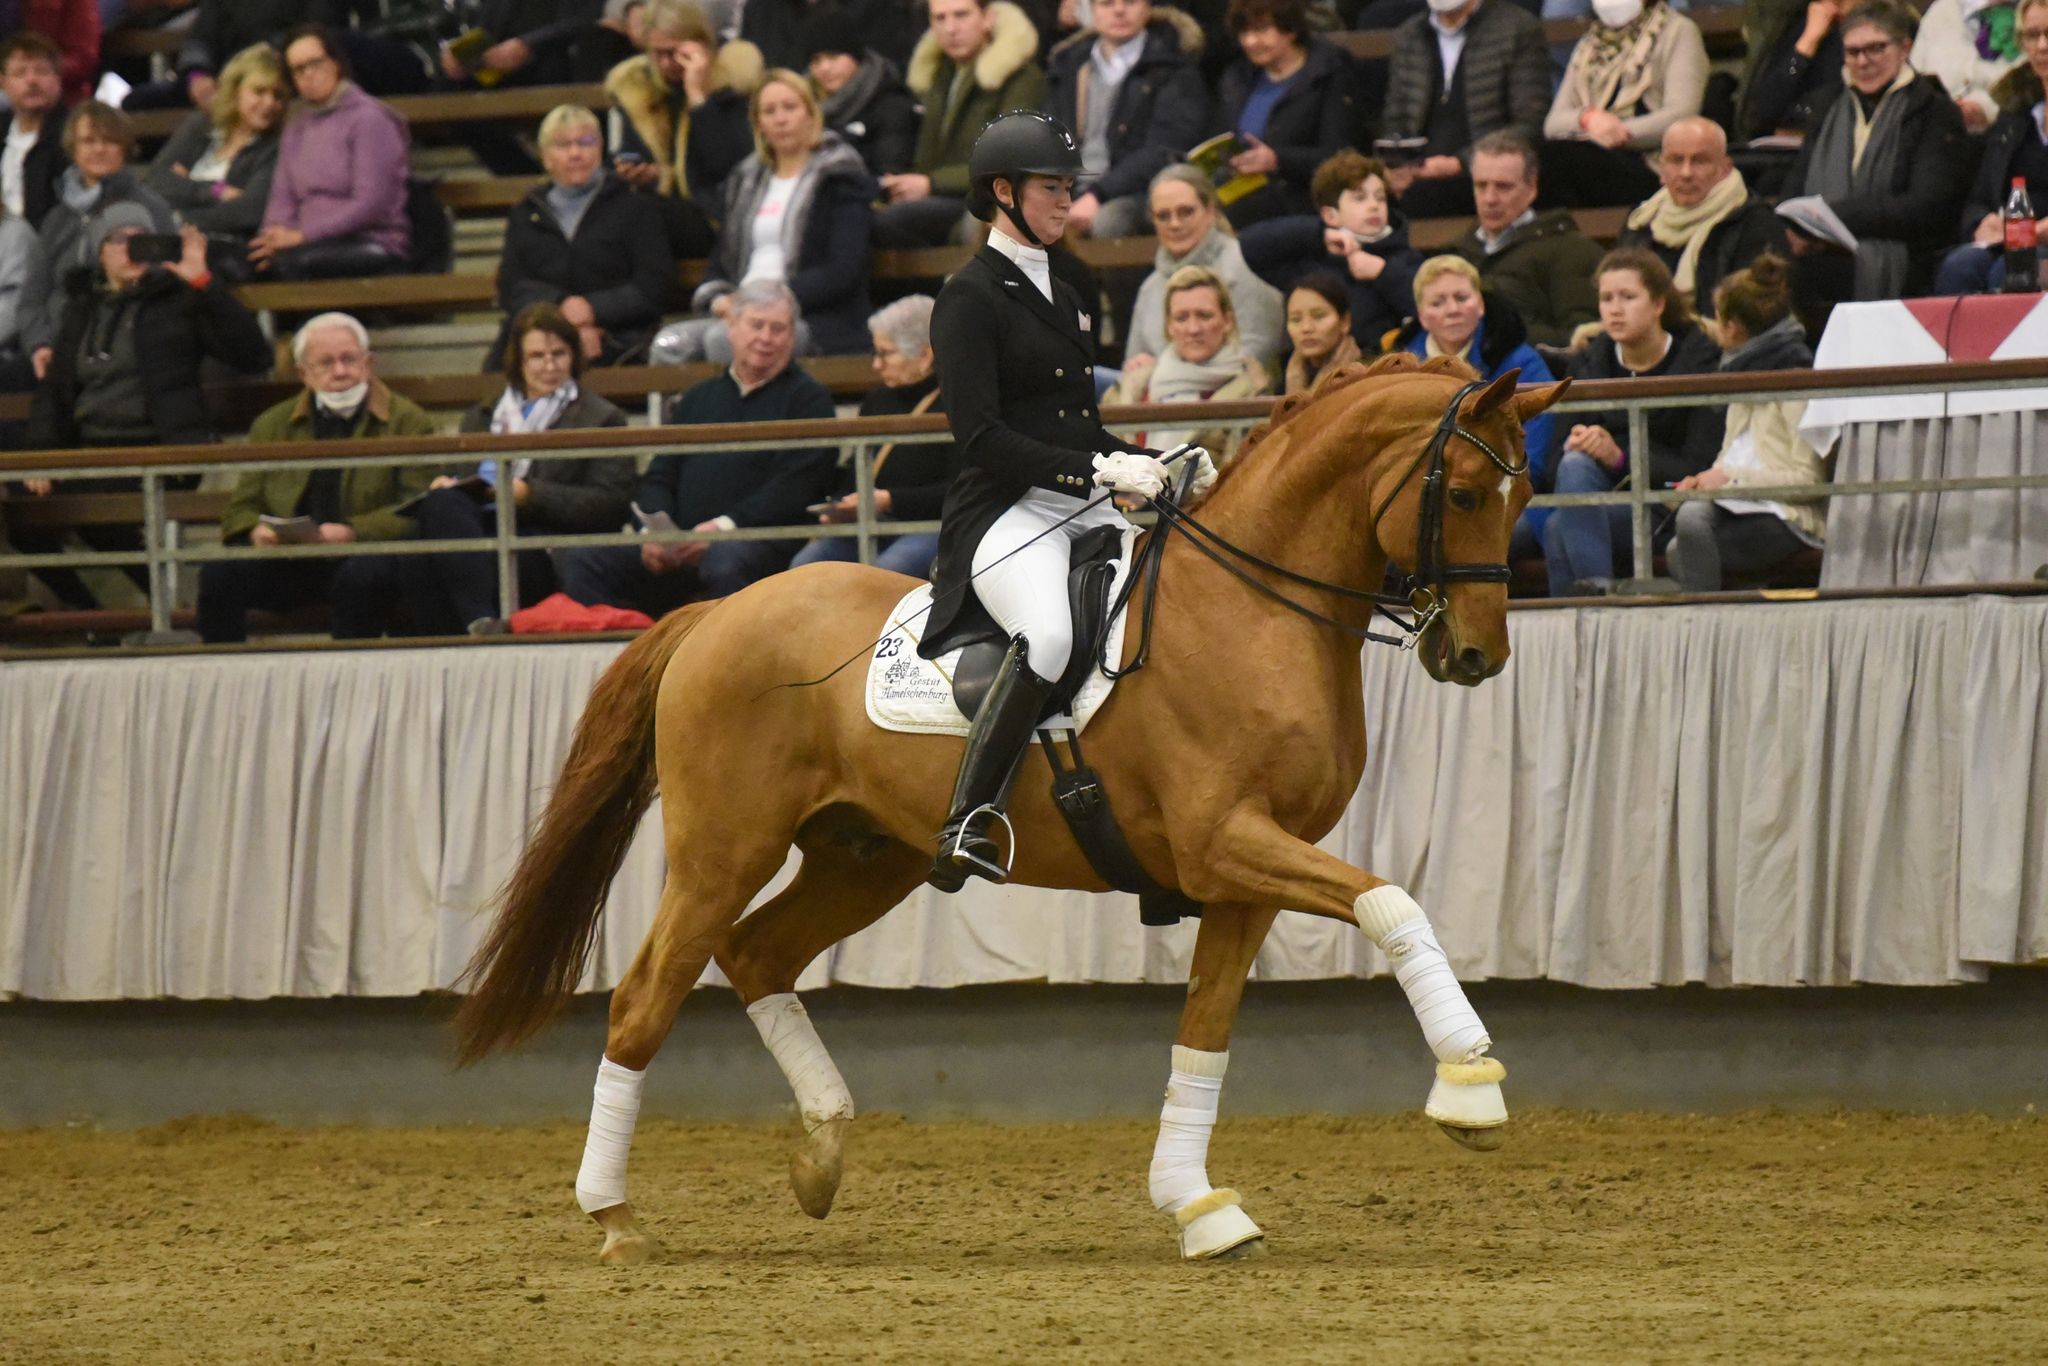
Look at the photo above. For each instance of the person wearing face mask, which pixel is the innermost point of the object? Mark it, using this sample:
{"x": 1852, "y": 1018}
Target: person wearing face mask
{"x": 1646, "y": 330}
{"x": 217, "y": 168}
{"x": 1637, "y": 69}
{"x": 125, "y": 371}
{"x": 1891, "y": 160}
{"x": 1203, "y": 362}
{"x": 342, "y": 399}
{"x": 1017, "y": 367}
{"x": 1465, "y": 69}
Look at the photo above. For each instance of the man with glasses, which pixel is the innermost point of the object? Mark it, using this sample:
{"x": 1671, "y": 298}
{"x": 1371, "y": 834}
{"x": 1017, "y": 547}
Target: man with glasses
{"x": 342, "y": 400}
{"x": 1888, "y": 158}
{"x": 2015, "y": 149}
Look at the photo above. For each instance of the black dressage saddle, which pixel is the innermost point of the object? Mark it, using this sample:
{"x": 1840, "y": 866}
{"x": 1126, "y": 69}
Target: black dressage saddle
{"x": 1075, "y": 787}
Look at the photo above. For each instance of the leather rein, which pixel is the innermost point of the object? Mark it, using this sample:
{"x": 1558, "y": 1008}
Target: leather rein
{"x": 1423, "y": 591}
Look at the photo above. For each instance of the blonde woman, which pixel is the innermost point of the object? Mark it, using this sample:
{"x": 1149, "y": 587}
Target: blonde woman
{"x": 216, "y": 169}
{"x": 1193, "y": 232}
{"x": 796, "y": 211}
{"x": 1204, "y": 360}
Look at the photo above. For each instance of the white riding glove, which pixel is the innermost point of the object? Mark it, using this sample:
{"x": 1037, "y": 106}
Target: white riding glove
{"x": 1130, "y": 472}
{"x": 1205, "y": 473}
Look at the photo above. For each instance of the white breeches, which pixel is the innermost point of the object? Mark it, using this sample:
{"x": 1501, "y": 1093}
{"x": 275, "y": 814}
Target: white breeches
{"x": 1027, "y": 592}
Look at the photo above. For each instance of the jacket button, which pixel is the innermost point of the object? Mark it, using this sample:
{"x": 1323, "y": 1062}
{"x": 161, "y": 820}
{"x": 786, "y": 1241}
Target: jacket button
{"x": 1059, "y": 374}
{"x": 1090, "y": 370}
{"x": 1063, "y": 412}
{"x": 1086, "y": 413}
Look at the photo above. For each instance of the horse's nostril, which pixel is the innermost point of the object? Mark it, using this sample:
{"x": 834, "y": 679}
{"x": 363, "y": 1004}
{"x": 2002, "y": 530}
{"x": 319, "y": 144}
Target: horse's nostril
{"x": 1472, "y": 660}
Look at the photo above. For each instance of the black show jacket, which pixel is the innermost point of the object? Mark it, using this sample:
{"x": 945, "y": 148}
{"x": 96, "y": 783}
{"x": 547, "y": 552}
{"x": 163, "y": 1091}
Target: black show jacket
{"x": 1018, "y": 373}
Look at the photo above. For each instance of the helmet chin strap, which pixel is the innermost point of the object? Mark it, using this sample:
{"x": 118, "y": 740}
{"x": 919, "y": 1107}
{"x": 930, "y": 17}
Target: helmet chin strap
{"x": 1015, "y": 213}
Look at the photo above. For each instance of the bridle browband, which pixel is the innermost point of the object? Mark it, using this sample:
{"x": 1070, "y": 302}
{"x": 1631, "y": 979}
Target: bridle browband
{"x": 1423, "y": 591}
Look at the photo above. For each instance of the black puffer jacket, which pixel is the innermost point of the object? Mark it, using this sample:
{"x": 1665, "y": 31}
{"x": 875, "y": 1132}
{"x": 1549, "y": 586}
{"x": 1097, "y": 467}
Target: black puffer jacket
{"x": 876, "y": 116}
{"x": 1161, "y": 107}
{"x": 1316, "y": 116}
{"x": 619, "y": 259}
{"x": 176, "y": 328}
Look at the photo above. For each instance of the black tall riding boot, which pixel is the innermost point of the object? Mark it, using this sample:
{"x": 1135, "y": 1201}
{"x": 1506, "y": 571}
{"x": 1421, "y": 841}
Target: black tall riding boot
{"x": 995, "y": 743}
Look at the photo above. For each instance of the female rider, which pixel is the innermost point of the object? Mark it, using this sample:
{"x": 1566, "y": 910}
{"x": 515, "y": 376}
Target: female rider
{"x": 1017, "y": 366}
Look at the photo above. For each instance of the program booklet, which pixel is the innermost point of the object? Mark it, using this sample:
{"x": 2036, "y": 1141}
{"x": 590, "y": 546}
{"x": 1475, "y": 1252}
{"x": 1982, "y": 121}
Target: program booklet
{"x": 292, "y": 530}
{"x": 1213, "y": 159}
{"x": 1810, "y": 214}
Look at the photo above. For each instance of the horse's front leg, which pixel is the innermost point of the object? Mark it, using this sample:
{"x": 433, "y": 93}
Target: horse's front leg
{"x": 1212, "y": 1223}
{"x": 1249, "y": 857}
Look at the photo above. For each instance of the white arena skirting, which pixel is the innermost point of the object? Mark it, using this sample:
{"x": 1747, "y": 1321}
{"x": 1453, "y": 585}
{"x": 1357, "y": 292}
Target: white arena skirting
{"x": 1817, "y": 793}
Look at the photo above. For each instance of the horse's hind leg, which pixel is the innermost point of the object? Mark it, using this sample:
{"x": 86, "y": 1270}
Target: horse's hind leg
{"x": 697, "y": 910}
{"x": 1211, "y": 1222}
{"x": 844, "y": 885}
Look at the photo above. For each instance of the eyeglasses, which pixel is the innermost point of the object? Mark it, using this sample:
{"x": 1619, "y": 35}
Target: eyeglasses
{"x": 310, "y": 65}
{"x": 322, "y": 364}
{"x": 588, "y": 142}
{"x": 2033, "y": 37}
{"x": 1868, "y": 52}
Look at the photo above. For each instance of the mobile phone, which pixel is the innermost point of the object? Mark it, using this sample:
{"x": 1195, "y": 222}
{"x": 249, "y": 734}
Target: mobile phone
{"x": 629, "y": 158}
{"x": 155, "y": 248}
{"x": 820, "y": 509}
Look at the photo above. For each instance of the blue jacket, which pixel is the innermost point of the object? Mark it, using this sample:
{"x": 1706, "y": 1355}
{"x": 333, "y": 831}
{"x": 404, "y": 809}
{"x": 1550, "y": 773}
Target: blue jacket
{"x": 1510, "y": 352}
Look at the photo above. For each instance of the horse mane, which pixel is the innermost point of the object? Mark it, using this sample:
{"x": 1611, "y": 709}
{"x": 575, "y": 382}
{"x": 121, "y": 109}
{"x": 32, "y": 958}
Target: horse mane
{"x": 1401, "y": 364}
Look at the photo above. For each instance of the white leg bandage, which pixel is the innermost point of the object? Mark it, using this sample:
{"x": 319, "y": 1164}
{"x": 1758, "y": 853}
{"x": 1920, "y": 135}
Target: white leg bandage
{"x": 1180, "y": 1160}
{"x": 1392, "y": 920}
{"x": 614, "y": 1109}
{"x": 786, "y": 1028}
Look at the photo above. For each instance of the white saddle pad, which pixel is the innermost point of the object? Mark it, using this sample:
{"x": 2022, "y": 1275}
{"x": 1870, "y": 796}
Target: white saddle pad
{"x": 909, "y": 693}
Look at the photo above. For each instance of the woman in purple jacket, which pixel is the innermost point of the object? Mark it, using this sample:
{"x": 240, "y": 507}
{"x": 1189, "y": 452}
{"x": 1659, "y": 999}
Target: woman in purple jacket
{"x": 337, "y": 204}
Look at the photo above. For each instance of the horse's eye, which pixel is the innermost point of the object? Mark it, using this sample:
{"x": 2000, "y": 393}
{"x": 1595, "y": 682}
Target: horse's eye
{"x": 1464, "y": 500}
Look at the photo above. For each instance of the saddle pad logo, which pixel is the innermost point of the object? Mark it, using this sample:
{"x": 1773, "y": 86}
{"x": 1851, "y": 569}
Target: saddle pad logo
{"x": 914, "y": 695}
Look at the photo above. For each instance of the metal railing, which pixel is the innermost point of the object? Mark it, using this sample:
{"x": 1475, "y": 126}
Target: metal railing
{"x": 856, "y": 439}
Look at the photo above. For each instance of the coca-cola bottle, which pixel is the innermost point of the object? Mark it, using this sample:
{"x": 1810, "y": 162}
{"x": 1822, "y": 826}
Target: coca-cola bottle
{"x": 2022, "y": 264}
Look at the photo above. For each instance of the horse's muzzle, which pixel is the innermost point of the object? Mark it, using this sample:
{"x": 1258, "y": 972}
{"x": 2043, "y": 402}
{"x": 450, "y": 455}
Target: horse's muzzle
{"x": 1448, "y": 661}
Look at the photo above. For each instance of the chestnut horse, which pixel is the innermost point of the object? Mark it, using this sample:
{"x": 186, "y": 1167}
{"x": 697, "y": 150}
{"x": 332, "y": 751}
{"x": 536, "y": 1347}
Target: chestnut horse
{"x": 1330, "y": 488}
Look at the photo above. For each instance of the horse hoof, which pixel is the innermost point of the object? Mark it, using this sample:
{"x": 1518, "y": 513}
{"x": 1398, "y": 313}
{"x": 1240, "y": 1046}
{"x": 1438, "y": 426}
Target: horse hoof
{"x": 625, "y": 1242}
{"x": 815, "y": 1169}
{"x": 1243, "y": 1252}
{"x": 1478, "y": 1140}
{"x": 1466, "y": 1103}
{"x": 1215, "y": 1228}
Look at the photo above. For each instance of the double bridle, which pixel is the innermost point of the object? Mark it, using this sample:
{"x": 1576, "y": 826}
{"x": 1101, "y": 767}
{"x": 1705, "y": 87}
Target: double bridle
{"x": 1424, "y": 589}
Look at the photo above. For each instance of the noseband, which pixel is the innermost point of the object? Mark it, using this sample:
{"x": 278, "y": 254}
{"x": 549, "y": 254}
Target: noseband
{"x": 1424, "y": 589}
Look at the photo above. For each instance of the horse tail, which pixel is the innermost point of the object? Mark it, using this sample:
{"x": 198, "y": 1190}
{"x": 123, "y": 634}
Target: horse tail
{"x": 546, "y": 924}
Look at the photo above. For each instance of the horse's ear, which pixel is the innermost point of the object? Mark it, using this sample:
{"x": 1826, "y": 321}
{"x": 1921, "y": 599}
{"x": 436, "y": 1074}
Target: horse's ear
{"x": 1534, "y": 400}
{"x": 1496, "y": 393}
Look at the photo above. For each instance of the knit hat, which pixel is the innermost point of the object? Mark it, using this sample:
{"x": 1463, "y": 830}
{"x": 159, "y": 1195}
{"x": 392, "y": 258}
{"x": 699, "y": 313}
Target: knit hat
{"x": 830, "y": 29}
{"x": 124, "y": 213}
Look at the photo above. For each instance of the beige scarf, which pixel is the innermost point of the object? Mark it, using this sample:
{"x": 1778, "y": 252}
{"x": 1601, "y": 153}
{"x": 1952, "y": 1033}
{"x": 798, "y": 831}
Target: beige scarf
{"x": 1299, "y": 380}
{"x": 1611, "y": 68}
{"x": 1673, "y": 226}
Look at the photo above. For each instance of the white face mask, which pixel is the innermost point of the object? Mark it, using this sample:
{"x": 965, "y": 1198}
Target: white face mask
{"x": 1446, "y": 6}
{"x": 342, "y": 402}
{"x": 1617, "y": 13}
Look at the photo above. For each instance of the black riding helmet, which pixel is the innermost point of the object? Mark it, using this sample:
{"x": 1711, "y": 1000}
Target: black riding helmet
{"x": 1015, "y": 145}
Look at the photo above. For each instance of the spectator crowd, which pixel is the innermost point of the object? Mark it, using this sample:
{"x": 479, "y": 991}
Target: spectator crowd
{"x": 1855, "y": 152}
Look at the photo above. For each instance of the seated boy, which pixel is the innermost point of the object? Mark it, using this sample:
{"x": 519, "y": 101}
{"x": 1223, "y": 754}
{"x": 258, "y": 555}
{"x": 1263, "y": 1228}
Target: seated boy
{"x": 1358, "y": 232}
